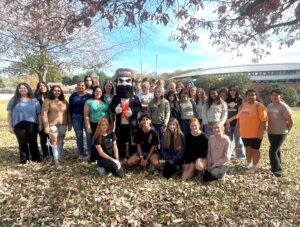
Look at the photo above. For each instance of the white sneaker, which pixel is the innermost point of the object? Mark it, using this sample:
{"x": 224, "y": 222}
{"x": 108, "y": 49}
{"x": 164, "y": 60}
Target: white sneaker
{"x": 80, "y": 158}
{"x": 223, "y": 179}
{"x": 101, "y": 171}
{"x": 252, "y": 169}
{"x": 249, "y": 165}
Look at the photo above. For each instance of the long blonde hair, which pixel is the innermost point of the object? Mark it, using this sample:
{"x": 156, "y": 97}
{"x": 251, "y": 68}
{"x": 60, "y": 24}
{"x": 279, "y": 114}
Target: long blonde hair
{"x": 178, "y": 136}
{"x": 99, "y": 134}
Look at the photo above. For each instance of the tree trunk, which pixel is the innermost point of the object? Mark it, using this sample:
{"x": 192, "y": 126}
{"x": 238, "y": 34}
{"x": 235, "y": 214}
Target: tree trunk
{"x": 42, "y": 73}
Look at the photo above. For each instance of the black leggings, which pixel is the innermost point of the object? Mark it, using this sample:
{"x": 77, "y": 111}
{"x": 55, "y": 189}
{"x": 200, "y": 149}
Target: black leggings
{"x": 170, "y": 169}
{"x": 215, "y": 174}
{"x": 43, "y": 143}
{"x": 110, "y": 167}
{"x": 94, "y": 152}
{"x": 26, "y": 133}
{"x": 275, "y": 153}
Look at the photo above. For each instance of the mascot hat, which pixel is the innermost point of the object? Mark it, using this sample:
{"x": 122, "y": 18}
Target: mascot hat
{"x": 125, "y": 72}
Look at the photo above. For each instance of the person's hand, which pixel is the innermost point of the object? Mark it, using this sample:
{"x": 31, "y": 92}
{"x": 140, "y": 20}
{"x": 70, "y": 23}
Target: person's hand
{"x": 128, "y": 112}
{"x": 145, "y": 162}
{"x": 117, "y": 162}
{"x": 142, "y": 161}
{"x": 46, "y": 130}
{"x": 11, "y": 129}
{"x": 89, "y": 130}
{"x": 118, "y": 109}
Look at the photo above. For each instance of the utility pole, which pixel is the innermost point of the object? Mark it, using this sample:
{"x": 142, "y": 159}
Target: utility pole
{"x": 156, "y": 65}
{"x": 141, "y": 58}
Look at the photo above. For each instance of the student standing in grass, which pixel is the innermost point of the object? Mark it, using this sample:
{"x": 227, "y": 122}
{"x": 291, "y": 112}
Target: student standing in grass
{"x": 76, "y": 103}
{"x": 252, "y": 117}
{"x": 95, "y": 108}
{"x": 147, "y": 141}
{"x": 23, "y": 117}
{"x": 159, "y": 112}
{"x": 108, "y": 90}
{"x": 145, "y": 96}
{"x": 193, "y": 93}
{"x": 172, "y": 148}
{"x": 200, "y": 101}
{"x": 195, "y": 150}
{"x": 215, "y": 110}
{"x": 89, "y": 84}
{"x": 174, "y": 105}
{"x": 106, "y": 145}
{"x": 179, "y": 87}
{"x": 41, "y": 93}
{"x": 187, "y": 110}
{"x": 218, "y": 154}
{"x": 279, "y": 125}
{"x": 56, "y": 120}
{"x": 234, "y": 101}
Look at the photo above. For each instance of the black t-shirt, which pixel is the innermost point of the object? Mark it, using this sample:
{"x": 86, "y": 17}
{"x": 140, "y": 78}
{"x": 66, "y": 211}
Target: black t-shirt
{"x": 233, "y": 105}
{"x": 107, "y": 144}
{"x": 195, "y": 147}
{"x": 146, "y": 139}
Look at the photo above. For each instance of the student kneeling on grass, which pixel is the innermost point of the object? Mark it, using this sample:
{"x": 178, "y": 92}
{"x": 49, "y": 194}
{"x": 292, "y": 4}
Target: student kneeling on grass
{"x": 195, "y": 150}
{"x": 147, "y": 141}
{"x": 172, "y": 148}
{"x": 105, "y": 143}
{"x": 218, "y": 154}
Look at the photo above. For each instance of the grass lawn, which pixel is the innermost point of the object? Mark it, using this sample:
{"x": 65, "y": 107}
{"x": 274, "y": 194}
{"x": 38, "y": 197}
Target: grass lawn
{"x": 40, "y": 195}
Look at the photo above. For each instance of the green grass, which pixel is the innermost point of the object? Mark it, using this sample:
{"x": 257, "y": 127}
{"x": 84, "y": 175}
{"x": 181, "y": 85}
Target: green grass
{"x": 40, "y": 195}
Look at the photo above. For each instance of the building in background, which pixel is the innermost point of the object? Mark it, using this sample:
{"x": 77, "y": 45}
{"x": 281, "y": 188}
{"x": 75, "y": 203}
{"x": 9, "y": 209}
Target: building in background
{"x": 258, "y": 73}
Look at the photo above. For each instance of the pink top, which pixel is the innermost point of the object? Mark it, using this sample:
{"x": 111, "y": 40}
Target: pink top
{"x": 218, "y": 151}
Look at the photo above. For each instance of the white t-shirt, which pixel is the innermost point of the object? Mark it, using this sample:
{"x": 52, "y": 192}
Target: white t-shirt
{"x": 278, "y": 115}
{"x": 145, "y": 98}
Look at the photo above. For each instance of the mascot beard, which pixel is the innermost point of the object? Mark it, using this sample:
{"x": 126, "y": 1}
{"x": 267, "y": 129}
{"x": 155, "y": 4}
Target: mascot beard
{"x": 124, "y": 91}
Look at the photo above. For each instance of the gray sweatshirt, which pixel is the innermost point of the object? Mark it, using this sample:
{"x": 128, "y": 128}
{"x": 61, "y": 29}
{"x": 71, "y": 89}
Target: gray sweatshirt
{"x": 216, "y": 113}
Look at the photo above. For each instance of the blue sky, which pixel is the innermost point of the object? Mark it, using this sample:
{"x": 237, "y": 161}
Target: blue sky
{"x": 197, "y": 55}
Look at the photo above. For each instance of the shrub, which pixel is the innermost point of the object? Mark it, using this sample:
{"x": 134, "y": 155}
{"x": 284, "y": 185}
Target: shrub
{"x": 289, "y": 94}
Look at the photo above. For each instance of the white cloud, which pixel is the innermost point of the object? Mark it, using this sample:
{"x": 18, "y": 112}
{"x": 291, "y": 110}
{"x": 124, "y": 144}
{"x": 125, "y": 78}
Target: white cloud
{"x": 203, "y": 54}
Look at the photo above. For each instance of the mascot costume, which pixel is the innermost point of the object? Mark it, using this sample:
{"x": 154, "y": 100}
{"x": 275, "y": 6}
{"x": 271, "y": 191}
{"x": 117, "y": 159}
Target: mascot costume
{"x": 125, "y": 106}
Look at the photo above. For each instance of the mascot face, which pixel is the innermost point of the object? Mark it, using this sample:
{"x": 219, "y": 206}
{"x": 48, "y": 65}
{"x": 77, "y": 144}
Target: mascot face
{"x": 124, "y": 82}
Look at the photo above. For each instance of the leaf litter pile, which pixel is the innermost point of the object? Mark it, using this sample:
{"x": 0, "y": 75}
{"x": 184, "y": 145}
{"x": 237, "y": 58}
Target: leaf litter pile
{"x": 38, "y": 194}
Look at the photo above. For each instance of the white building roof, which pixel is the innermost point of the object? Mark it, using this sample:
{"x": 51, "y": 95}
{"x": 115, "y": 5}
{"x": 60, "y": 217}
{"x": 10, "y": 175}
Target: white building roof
{"x": 243, "y": 69}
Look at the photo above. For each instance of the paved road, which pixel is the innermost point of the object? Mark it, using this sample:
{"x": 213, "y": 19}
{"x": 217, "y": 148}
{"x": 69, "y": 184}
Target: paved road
{"x": 5, "y": 96}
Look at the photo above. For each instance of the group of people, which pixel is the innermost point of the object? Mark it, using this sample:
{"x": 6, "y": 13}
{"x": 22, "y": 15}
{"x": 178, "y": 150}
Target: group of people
{"x": 139, "y": 122}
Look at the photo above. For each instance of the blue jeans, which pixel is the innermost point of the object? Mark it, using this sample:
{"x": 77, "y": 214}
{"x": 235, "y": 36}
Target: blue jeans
{"x": 185, "y": 126}
{"x": 58, "y": 131}
{"x": 239, "y": 146}
{"x": 79, "y": 126}
{"x": 208, "y": 131}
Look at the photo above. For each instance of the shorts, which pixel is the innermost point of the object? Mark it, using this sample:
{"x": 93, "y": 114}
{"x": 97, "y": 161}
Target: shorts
{"x": 252, "y": 142}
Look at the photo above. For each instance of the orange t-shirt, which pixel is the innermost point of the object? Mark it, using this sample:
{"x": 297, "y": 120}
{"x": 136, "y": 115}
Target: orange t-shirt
{"x": 250, "y": 116}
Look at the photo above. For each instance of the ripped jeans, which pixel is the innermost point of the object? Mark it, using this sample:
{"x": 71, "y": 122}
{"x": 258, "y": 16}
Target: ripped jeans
{"x": 57, "y": 134}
